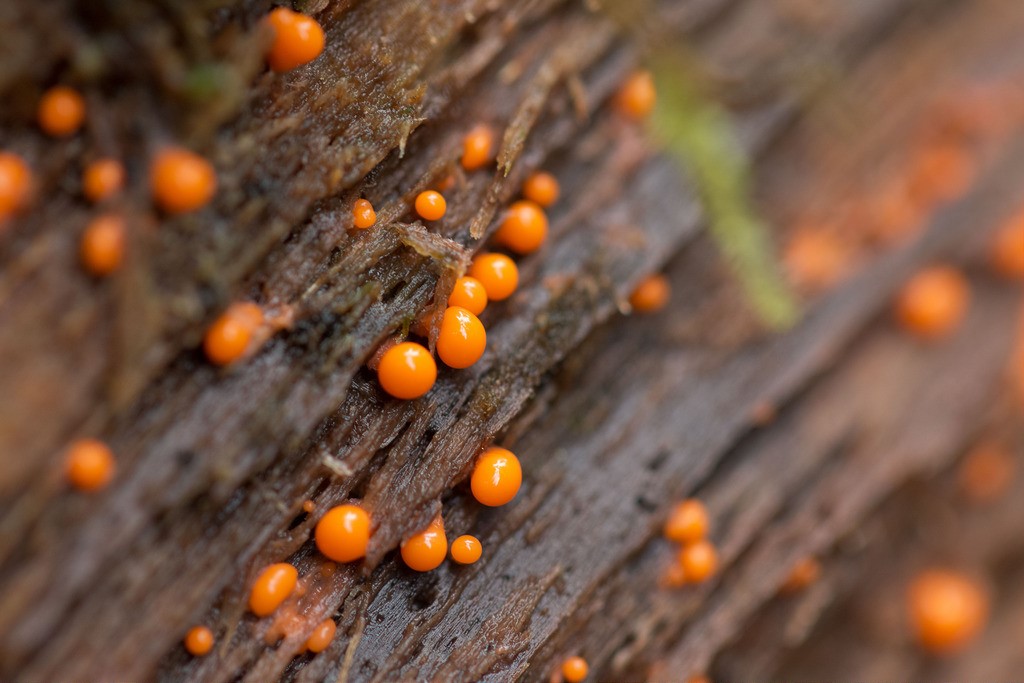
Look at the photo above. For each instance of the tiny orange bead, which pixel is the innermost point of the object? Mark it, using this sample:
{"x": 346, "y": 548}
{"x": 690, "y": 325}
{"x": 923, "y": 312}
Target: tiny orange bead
{"x": 496, "y": 477}
{"x": 321, "y": 636}
{"x": 363, "y": 215}
{"x": 89, "y": 465}
{"x": 462, "y": 338}
{"x": 426, "y": 550}
{"x": 61, "y": 111}
{"x": 524, "y": 228}
{"x": 987, "y": 472}
{"x": 343, "y": 533}
{"x": 466, "y": 549}
{"x": 181, "y": 181}
{"x": 934, "y": 302}
{"x": 946, "y": 610}
{"x": 804, "y": 573}
{"x": 15, "y": 184}
{"x": 230, "y": 335}
{"x": 1008, "y": 250}
{"x": 430, "y": 205}
{"x": 497, "y": 273}
{"x": 699, "y": 561}
{"x": 637, "y": 95}
{"x": 199, "y": 641}
{"x": 477, "y": 147}
{"x": 574, "y": 669}
{"x": 541, "y": 188}
{"x": 298, "y": 39}
{"x": 102, "y": 245}
{"x": 407, "y": 370}
{"x": 688, "y": 522}
{"x": 102, "y": 179}
{"x": 272, "y": 587}
{"x": 651, "y": 294}
{"x": 469, "y": 294}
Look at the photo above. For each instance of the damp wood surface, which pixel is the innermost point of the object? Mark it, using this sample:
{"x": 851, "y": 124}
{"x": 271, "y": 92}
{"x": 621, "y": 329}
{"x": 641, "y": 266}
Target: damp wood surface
{"x": 614, "y": 417}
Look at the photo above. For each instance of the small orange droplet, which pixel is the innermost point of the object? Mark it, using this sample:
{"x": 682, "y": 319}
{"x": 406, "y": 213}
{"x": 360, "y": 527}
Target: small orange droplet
{"x": 574, "y": 669}
{"x": 987, "y": 472}
{"x": 497, "y": 477}
{"x": 102, "y": 246}
{"x": 427, "y": 549}
{"x": 687, "y": 522}
{"x": 946, "y": 610}
{"x": 228, "y": 338}
{"x": 637, "y": 95}
{"x": 102, "y": 179}
{"x": 462, "y": 338}
{"x": 466, "y": 549}
{"x": 470, "y": 294}
{"x": 524, "y": 228}
{"x": 542, "y": 188}
{"x": 343, "y": 533}
{"x": 934, "y": 302}
{"x": 89, "y": 465}
{"x": 1008, "y": 250}
{"x": 815, "y": 259}
{"x": 15, "y": 184}
{"x": 407, "y": 371}
{"x": 61, "y": 111}
{"x": 497, "y": 273}
{"x": 699, "y": 561}
{"x": 199, "y": 641}
{"x": 804, "y": 573}
{"x": 477, "y": 147}
{"x": 181, "y": 181}
{"x": 321, "y": 636}
{"x": 363, "y": 215}
{"x": 430, "y": 205}
{"x": 308, "y": 506}
{"x": 651, "y": 294}
{"x": 272, "y": 587}
{"x": 298, "y": 39}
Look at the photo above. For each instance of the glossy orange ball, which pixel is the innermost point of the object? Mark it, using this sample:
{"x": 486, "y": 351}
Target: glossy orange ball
{"x": 199, "y": 641}
{"x": 61, "y": 111}
{"x": 102, "y": 179}
{"x": 699, "y": 561}
{"x": 1008, "y": 250}
{"x": 181, "y": 181}
{"x": 102, "y": 246}
{"x": 298, "y": 39}
{"x": 322, "y": 635}
{"x": 343, "y": 533}
{"x": 541, "y": 188}
{"x": 462, "y": 338}
{"x": 637, "y": 95}
{"x": 430, "y": 205}
{"x": 934, "y": 302}
{"x": 524, "y": 229}
{"x": 426, "y": 550}
{"x": 363, "y": 215}
{"x": 89, "y": 465}
{"x": 273, "y": 585}
{"x": 574, "y": 669}
{"x": 651, "y": 294}
{"x": 946, "y": 610}
{"x": 477, "y": 148}
{"x": 470, "y": 294}
{"x": 497, "y": 273}
{"x": 229, "y": 337}
{"x": 407, "y": 371}
{"x": 804, "y": 573}
{"x": 466, "y": 549}
{"x": 15, "y": 184}
{"x": 496, "y": 477}
{"x": 687, "y": 522}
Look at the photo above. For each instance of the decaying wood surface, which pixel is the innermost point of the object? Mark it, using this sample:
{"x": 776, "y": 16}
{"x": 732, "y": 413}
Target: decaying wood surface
{"x": 614, "y": 417}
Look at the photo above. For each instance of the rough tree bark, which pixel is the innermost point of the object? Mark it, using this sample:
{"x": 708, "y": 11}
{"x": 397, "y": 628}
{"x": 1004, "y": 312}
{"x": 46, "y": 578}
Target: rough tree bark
{"x": 613, "y": 417}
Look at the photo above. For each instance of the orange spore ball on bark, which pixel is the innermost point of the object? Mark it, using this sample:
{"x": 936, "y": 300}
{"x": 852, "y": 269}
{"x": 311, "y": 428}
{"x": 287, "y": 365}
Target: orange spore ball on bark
{"x": 477, "y": 148}
{"x": 1008, "y": 250}
{"x": 15, "y": 184}
{"x": 934, "y": 302}
{"x": 815, "y": 259}
{"x": 946, "y": 610}
{"x": 407, "y": 370}
{"x": 426, "y": 550}
{"x": 524, "y": 229}
{"x": 497, "y": 273}
{"x": 574, "y": 669}
{"x": 298, "y": 39}
{"x": 541, "y": 188}
{"x": 687, "y": 522}
{"x": 430, "y": 205}
{"x": 941, "y": 172}
{"x": 199, "y": 641}
{"x": 272, "y": 587}
{"x": 61, "y": 111}
{"x": 89, "y": 465}
{"x": 637, "y": 95}
{"x": 496, "y": 477}
{"x": 987, "y": 472}
{"x": 466, "y": 549}
{"x": 651, "y": 294}
{"x": 699, "y": 561}
{"x": 102, "y": 246}
{"x": 102, "y": 179}
{"x": 363, "y": 215}
{"x": 229, "y": 337}
{"x": 181, "y": 181}
{"x": 462, "y": 338}
{"x": 470, "y": 294}
{"x": 804, "y": 573}
{"x": 321, "y": 636}
{"x": 343, "y": 533}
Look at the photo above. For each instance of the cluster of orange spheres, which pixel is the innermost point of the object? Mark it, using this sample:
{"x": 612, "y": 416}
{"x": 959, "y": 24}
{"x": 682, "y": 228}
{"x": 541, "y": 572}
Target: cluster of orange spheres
{"x": 697, "y": 560}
